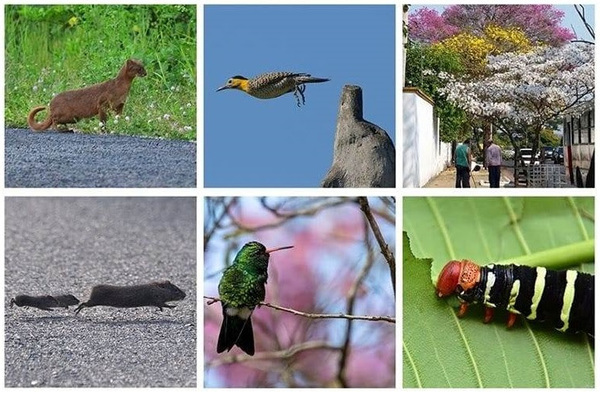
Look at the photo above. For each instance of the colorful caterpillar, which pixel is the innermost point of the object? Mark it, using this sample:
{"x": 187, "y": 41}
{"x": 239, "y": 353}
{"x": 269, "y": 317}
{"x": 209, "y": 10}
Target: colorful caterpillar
{"x": 564, "y": 299}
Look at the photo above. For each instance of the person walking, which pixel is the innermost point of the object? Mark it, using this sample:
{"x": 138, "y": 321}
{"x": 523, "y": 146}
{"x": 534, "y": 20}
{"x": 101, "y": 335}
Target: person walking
{"x": 493, "y": 162}
{"x": 462, "y": 160}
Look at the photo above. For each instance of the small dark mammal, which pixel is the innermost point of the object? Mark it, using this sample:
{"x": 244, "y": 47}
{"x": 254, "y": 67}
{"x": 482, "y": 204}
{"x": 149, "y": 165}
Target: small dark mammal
{"x": 73, "y": 105}
{"x": 66, "y": 300}
{"x": 46, "y": 302}
{"x": 151, "y": 294}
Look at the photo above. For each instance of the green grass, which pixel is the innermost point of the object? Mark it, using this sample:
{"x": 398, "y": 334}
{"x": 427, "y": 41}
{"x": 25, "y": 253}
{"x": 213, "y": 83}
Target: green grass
{"x": 50, "y": 49}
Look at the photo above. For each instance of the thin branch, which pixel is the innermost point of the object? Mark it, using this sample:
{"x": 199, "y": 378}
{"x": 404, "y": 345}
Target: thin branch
{"x": 581, "y": 12}
{"x": 389, "y": 319}
{"x": 584, "y": 41}
{"x": 275, "y": 355}
{"x": 282, "y": 217}
{"x": 387, "y": 212}
{"x": 217, "y": 223}
{"x": 351, "y": 299}
{"x": 319, "y": 204}
{"x": 385, "y": 250}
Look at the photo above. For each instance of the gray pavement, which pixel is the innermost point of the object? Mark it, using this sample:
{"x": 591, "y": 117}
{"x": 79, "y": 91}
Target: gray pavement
{"x": 447, "y": 178}
{"x": 54, "y": 159}
{"x": 68, "y": 245}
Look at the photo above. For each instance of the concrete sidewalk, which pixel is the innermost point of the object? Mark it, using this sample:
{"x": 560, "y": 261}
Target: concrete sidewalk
{"x": 479, "y": 179}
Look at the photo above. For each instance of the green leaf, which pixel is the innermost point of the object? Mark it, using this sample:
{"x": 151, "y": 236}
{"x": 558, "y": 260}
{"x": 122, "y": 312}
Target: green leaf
{"x": 441, "y": 350}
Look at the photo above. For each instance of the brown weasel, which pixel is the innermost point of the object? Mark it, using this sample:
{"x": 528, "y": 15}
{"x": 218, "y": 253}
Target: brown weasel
{"x": 73, "y": 105}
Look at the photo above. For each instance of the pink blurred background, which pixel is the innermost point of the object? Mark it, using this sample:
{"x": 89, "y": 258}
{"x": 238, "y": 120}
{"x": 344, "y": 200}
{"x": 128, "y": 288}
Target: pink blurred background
{"x": 330, "y": 249}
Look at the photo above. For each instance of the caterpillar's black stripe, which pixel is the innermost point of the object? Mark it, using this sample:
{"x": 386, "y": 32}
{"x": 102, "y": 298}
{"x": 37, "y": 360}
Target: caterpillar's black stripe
{"x": 565, "y": 299}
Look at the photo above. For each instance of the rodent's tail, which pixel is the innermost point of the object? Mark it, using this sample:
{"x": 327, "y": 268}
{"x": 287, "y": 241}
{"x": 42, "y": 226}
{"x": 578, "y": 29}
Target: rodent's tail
{"x": 36, "y": 125}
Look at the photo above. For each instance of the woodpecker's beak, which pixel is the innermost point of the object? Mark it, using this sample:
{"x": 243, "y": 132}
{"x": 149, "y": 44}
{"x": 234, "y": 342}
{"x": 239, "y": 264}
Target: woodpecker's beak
{"x": 276, "y": 249}
{"x": 223, "y": 88}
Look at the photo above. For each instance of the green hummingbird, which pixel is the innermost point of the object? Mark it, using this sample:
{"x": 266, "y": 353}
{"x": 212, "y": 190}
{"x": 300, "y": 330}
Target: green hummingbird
{"x": 241, "y": 289}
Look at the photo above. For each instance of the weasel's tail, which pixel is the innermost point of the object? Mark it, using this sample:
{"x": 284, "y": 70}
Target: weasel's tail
{"x": 37, "y": 126}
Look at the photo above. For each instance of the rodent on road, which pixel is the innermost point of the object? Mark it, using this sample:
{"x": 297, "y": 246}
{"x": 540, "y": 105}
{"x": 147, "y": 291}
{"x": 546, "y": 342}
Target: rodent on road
{"x": 46, "y": 302}
{"x": 151, "y": 294}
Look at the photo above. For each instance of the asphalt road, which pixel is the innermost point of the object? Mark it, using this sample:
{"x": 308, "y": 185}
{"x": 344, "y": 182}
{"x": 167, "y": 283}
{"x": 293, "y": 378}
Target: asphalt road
{"x": 53, "y": 159}
{"x": 68, "y": 245}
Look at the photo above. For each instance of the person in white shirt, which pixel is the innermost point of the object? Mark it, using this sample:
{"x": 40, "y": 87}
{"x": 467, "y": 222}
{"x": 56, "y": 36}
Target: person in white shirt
{"x": 493, "y": 162}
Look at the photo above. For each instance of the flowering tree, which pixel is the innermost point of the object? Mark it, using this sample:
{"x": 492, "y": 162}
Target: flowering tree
{"x": 427, "y": 26}
{"x": 473, "y": 50}
{"x": 525, "y": 91}
{"x": 540, "y": 23}
{"x": 466, "y": 35}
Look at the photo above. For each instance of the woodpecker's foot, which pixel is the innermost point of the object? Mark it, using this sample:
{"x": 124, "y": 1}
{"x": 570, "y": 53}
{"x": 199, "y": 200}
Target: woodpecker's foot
{"x": 299, "y": 93}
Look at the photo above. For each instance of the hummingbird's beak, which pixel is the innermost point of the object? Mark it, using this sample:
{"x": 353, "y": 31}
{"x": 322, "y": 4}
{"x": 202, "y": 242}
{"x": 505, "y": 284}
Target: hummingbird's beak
{"x": 223, "y": 88}
{"x": 276, "y": 249}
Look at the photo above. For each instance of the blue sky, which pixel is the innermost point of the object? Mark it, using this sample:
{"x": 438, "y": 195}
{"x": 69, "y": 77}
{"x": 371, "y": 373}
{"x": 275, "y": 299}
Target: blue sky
{"x": 250, "y": 142}
{"x": 571, "y": 19}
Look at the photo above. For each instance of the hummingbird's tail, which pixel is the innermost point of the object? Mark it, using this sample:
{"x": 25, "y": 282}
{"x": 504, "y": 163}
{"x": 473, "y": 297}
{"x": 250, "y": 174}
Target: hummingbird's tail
{"x": 236, "y": 331}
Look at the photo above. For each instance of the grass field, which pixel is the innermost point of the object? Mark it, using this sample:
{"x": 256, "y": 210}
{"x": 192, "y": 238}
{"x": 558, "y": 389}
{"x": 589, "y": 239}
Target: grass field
{"x": 53, "y": 48}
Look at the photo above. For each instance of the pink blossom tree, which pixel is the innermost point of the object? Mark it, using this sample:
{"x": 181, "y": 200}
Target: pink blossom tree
{"x": 539, "y": 22}
{"x": 427, "y": 26}
{"x": 335, "y": 267}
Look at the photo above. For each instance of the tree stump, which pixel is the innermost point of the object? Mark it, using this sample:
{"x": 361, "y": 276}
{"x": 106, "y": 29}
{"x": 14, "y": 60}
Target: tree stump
{"x": 363, "y": 153}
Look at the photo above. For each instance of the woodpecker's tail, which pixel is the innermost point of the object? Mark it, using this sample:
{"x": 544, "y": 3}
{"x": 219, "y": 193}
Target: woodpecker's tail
{"x": 306, "y": 78}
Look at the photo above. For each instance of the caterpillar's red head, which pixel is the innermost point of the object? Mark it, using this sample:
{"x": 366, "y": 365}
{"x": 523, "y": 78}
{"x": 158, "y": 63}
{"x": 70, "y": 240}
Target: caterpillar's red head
{"x": 457, "y": 276}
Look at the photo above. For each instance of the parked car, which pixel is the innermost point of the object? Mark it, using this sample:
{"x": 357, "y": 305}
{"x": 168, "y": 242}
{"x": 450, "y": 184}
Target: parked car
{"x": 558, "y": 155}
{"x": 525, "y": 155}
{"x": 547, "y": 152}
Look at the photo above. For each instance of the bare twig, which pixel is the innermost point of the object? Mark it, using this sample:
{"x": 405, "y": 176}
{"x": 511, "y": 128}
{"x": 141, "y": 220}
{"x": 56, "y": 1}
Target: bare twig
{"x": 318, "y": 205}
{"x": 385, "y": 215}
{"x": 283, "y": 217}
{"x": 276, "y": 355}
{"x": 351, "y": 299}
{"x": 581, "y": 12}
{"x": 389, "y": 319}
{"x": 385, "y": 250}
{"x": 208, "y": 233}
{"x": 584, "y": 41}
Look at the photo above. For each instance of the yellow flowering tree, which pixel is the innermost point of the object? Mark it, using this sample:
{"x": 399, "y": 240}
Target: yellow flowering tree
{"x": 473, "y": 50}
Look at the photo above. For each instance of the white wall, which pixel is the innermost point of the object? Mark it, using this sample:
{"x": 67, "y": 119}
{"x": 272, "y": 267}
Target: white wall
{"x": 424, "y": 155}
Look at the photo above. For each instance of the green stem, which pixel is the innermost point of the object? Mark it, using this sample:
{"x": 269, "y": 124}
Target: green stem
{"x": 557, "y": 258}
